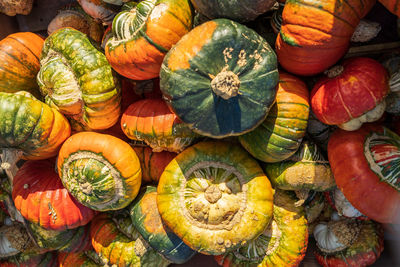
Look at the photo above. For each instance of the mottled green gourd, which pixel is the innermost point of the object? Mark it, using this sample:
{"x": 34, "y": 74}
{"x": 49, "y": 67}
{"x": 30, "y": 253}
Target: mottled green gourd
{"x": 307, "y": 169}
{"x": 283, "y": 243}
{"x": 76, "y": 78}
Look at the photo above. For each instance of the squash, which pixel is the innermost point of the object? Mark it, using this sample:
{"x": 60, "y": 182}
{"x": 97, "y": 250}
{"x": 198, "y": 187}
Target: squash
{"x": 319, "y": 132}
{"x": 147, "y": 220}
{"x": 215, "y": 189}
{"x": 14, "y": 239}
{"x": 351, "y": 94}
{"x": 119, "y": 248}
{"x": 75, "y": 17}
{"x": 221, "y": 79}
{"x": 364, "y": 164}
{"x": 100, "y": 10}
{"x": 42, "y": 199}
{"x": 392, "y": 65}
{"x": 152, "y": 163}
{"x": 346, "y": 243}
{"x": 14, "y": 7}
{"x": 280, "y": 135}
{"x": 76, "y": 78}
{"x": 151, "y": 121}
{"x": 310, "y": 29}
{"x": 276, "y": 19}
{"x": 240, "y": 11}
{"x": 28, "y": 260}
{"x": 143, "y": 33}
{"x": 283, "y": 243}
{"x": 99, "y": 170}
{"x": 19, "y": 62}
{"x": 392, "y": 5}
{"x": 306, "y": 170}
{"x": 78, "y": 259}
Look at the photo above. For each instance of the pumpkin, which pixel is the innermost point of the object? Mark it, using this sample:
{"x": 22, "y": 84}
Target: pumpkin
{"x": 40, "y": 196}
{"x": 76, "y": 78}
{"x": 364, "y": 164}
{"x": 75, "y": 17}
{"x": 276, "y": 19}
{"x": 351, "y": 94}
{"x": 319, "y": 132}
{"x": 151, "y": 121}
{"x": 221, "y": 79}
{"x": 240, "y": 11}
{"x": 99, "y": 10}
{"x": 13, "y": 240}
{"x": 315, "y": 35}
{"x": 78, "y": 259}
{"x": 119, "y": 248}
{"x": 29, "y": 129}
{"x": 343, "y": 207}
{"x": 283, "y": 243}
{"x": 215, "y": 189}
{"x": 392, "y": 6}
{"x": 280, "y": 135}
{"x": 314, "y": 206}
{"x": 99, "y": 170}
{"x": 19, "y": 62}
{"x": 28, "y": 260}
{"x": 14, "y": 7}
{"x": 346, "y": 243}
{"x": 306, "y": 170}
{"x": 152, "y": 163}
{"x": 147, "y": 220}
{"x": 143, "y": 33}
{"x": 392, "y": 65}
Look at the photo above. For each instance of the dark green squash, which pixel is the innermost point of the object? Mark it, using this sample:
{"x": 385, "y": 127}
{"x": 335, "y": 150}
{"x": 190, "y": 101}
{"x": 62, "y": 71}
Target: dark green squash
{"x": 221, "y": 79}
{"x": 147, "y": 220}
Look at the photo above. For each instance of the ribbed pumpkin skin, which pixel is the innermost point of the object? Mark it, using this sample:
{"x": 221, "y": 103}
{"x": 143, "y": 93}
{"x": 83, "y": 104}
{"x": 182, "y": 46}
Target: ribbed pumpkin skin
{"x": 31, "y": 126}
{"x": 367, "y": 173}
{"x": 75, "y": 260}
{"x": 214, "y": 189}
{"x": 40, "y": 196}
{"x": 34, "y": 260}
{"x": 238, "y": 10}
{"x": 147, "y": 220}
{"x": 99, "y": 10}
{"x": 363, "y": 252}
{"x": 76, "y": 78}
{"x": 99, "y": 170}
{"x": 116, "y": 248}
{"x": 315, "y": 35}
{"x": 153, "y": 163}
{"x": 362, "y": 85}
{"x": 392, "y": 5}
{"x": 19, "y": 62}
{"x": 151, "y": 120}
{"x": 144, "y": 33}
{"x": 219, "y": 82}
{"x": 280, "y": 135}
{"x": 282, "y": 244}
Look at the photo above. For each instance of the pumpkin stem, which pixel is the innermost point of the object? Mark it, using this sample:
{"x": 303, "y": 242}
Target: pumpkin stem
{"x": 345, "y": 230}
{"x": 9, "y": 159}
{"x": 334, "y": 71}
{"x": 226, "y": 84}
{"x": 302, "y": 195}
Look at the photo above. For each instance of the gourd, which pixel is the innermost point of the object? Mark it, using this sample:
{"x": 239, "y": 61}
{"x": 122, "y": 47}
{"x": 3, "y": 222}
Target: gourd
{"x": 221, "y": 79}
{"x": 215, "y": 189}
{"x": 19, "y": 62}
{"x": 48, "y": 259}
{"x": 392, "y": 65}
{"x": 352, "y": 93}
{"x": 142, "y": 33}
{"x": 151, "y": 121}
{"x": 76, "y": 78}
{"x": 99, "y": 170}
{"x": 100, "y": 10}
{"x": 13, "y": 240}
{"x": 280, "y": 135}
{"x": 14, "y": 7}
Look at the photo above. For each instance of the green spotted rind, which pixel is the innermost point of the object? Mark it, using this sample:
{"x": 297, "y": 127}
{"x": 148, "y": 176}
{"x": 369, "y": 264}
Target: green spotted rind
{"x": 247, "y": 215}
{"x": 232, "y": 47}
{"x": 284, "y": 243}
{"x": 72, "y": 68}
{"x": 307, "y": 169}
{"x": 147, "y": 220}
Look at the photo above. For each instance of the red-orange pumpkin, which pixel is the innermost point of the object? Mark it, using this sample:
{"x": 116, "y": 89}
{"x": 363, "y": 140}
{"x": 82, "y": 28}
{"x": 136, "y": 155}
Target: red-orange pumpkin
{"x": 365, "y": 166}
{"x": 392, "y": 5}
{"x": 40, "y": 196}
{"x": 316, "y": 34}
{"x": 351, "y": 94}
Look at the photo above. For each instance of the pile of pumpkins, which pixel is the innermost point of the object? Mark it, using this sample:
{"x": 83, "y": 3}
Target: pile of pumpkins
{"x": 141, "y": 133}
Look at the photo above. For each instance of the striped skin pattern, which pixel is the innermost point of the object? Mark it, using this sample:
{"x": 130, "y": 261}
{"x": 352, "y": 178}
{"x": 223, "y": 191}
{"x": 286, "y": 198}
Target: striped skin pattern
{"x": 311, "y": 28}
{"x": 31, "y": 126}
{"x": 19, "y": 62}
{"x": 144, "y": 33}
{"x": 392, "y": 5}
{"x": 76, "y": 78}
